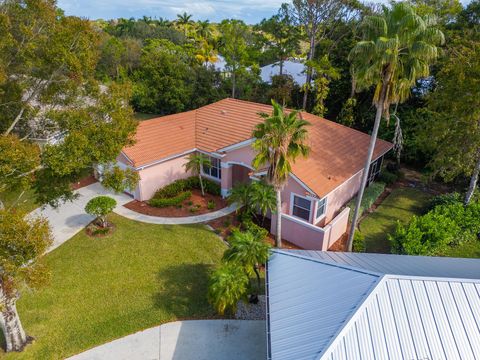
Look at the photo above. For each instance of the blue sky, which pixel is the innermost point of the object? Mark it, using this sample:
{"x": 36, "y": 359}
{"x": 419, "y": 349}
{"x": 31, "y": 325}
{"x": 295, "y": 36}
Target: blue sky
{"x": 214, "y": 10}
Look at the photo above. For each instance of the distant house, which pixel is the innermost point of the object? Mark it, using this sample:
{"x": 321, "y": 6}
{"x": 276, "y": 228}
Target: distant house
{"x": 295, "y": 68}
{"x": 337, "y": 306}
{"x": 313, "y": 202}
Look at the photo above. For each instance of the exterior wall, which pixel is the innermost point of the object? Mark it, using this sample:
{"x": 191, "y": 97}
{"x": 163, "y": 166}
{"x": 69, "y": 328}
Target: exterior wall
{"x": 309, "y": 236}
{"x": 242, "y": 156}
{"x": 341, "y": 195}
{"x": 154, "y": 177}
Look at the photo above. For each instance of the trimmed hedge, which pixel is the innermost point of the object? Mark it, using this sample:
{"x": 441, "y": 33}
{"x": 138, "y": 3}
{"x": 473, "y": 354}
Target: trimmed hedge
{"x": 370, "y": 195}
{"x": 182, "y": 185}
{"x": 172, "y": 201}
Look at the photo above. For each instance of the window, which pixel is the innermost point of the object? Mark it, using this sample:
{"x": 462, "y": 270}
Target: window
{"x": 214, "y": 170}
{"x": 321, "y": 207}
{"x": 375, "y": 168}
{"x": 301, "y": 207}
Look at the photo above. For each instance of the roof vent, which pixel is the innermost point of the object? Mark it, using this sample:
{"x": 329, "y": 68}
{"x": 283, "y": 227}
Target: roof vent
{"x": 224, "y": 112}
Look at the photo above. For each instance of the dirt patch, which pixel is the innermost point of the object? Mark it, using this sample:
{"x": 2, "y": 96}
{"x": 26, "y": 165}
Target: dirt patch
{"x": 341, "y": 244}
{"x": 88, "y": 180}
{"x": 95, "y": 231}
{"x": 196, "y": 205}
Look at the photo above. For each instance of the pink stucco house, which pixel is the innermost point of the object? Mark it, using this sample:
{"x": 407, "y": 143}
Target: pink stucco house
{"x": 313, "y": 202}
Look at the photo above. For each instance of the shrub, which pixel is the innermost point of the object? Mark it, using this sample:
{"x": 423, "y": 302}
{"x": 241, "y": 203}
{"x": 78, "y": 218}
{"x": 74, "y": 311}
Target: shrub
{"x": 388, "y": 177}
{"x": 358, "y": 242}
{"x": 172, "y": 201}
{"x": 445, "y": 199}
{"x": 370, "y": 195}
{"x": 100, "y": 207}
{"x": 194, "y": 208}
{"x": 256, "y": 230}
{"x": 183, "y": 185}
{"x": 211, "y": 205}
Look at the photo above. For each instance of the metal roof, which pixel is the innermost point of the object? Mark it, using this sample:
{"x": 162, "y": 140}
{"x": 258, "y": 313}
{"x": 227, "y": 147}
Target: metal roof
{"x": 325, "y": 310}
{"x": 401, "y": 264}
{"x": 309, "y": 302}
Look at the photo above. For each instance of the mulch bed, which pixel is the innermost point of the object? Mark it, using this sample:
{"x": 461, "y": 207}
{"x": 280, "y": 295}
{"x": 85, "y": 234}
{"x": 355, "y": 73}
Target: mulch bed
{"x": 91, "y": 229}
{"x": 88, "y": 180}
{"x": 196, "y": 199}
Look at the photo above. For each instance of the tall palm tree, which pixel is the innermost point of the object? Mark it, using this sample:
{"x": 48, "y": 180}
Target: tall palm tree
{"x": 184, "y": 20}
{"x": 228, "y": 284}
{"x": 195, "y": 163}
{"x": 249, "y": 251}
{"x": 280, "y": 139}
{"x": 204, "y": 29}
{"x": 397, "y": 49}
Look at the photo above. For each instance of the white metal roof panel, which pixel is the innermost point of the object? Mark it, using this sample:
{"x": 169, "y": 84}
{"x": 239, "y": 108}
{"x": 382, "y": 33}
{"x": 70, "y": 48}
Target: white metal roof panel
{"x": 401, "y": 264}
{"x": 309, "y": 302}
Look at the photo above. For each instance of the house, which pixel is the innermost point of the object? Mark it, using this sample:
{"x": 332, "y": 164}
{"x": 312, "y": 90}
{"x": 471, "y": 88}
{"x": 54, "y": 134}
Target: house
{"x": 313, "y": 202}
{"x": 295, "y": 68}
{"x": 324, "y": 305}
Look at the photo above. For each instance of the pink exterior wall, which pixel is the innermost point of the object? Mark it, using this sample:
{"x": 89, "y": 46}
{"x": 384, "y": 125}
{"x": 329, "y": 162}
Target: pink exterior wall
{"x": 341, "y": 195}
{"x": 242, "y": 156}
{"x": 154, "y": 177}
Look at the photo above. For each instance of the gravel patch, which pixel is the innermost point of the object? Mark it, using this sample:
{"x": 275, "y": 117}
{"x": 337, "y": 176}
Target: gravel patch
{"x": 247, "y": 311}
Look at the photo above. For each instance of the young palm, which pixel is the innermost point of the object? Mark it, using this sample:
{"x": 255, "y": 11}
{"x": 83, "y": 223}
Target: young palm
{"x": 262, "y": 197}
{"x": 195, "y": 164}
{"x": 280, "y": 139}
{"x": 241, "y": 195}
{"x": 184, "y": 20}
{"x": 228, "y": 284}
{"x": 397, "y": 49}
{"x": 248, "y": 251}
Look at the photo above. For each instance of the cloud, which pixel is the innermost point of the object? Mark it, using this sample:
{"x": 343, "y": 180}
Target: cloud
{"x": 214, "y": 10}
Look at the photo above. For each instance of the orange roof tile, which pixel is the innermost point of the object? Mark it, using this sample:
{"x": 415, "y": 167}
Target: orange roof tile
{"x": 337, "y": 152}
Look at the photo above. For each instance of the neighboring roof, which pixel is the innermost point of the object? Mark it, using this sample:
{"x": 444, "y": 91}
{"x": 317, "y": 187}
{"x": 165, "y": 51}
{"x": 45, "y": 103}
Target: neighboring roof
{"x": 398, "y": 317}
{"x": 290, "y": 67}
{"x": 337, "y": 152}
{"x": 429, "y": 266}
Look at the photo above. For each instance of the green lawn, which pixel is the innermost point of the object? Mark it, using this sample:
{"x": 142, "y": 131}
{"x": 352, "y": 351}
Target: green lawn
{"x": 26, "y": 202}
{"x": 400, "y": 205}
{"x": 105, "y": 288}
{"x": 465, "y": 250}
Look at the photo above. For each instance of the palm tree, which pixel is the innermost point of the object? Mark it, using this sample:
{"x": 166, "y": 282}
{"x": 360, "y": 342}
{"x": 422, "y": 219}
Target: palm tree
{"x": 397, "y": 49}
{"x": 204, "y": 29}
{"x": 184, "y": 20}
{"x": 228, "y": 284}
{"x": 196, "y": 162}
{"x": 280, "y": 139}
{"x": 248, "y": 251}
{"x": 262, "y": 198}
{"x": 241, "y": 195}
{"x": 206, "y": 53}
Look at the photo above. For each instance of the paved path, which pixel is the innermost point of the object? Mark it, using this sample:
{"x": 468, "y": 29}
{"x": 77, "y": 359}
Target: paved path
{"x": 69, "y": 218}
{"x": 133, "y": 215}
{"x": 188, "y": 340}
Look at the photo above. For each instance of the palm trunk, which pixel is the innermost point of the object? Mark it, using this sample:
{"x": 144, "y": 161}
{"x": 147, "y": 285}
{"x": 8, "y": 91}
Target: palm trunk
{"x": 473, "y": 180}
{"x": 15, "y": 337}
{"x": 233, "y": 84}
{"x": 259, "y": 284}
{"x": 366, "y": 169}
{"x": 309, "y": 71}
{"x": 201, "y": 184}
{"x": 281, "y": 66}
{"x": 279, "y": 219}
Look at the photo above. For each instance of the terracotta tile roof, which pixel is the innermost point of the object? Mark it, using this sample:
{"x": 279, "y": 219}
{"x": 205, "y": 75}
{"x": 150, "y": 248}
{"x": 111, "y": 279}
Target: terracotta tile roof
{"x": 337, "y": 152}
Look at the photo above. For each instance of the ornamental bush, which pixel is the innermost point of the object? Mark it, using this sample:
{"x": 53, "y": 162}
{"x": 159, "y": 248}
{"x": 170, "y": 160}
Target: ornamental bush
{"x": 370, "y": 195}
{"x": 188, "y": 184}
{"x": 445, "y": 199}
{"x": 100, "y": 207}
{"x": 358, "y": 242}
{"x": 172, "y": 201}
{"x": 388, "y": 177}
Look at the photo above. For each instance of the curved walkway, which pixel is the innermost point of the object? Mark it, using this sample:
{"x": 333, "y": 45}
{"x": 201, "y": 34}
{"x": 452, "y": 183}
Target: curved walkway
{"x": 133, "y": 215}
{"x": 193, "y": 339}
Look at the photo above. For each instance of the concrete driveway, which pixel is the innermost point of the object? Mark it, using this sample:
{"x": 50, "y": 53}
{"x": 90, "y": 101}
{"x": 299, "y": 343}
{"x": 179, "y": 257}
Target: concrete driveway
{"x": 69, "y": 218}
{"x": 188, "y": 340}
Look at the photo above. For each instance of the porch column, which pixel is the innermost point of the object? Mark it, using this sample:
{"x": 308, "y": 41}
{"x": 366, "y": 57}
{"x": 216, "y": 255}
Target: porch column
{"x": 226, "y": 183}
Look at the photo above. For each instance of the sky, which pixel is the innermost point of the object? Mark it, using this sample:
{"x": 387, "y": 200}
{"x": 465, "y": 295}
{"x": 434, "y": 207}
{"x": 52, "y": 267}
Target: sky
{"x": 251, "y": 11}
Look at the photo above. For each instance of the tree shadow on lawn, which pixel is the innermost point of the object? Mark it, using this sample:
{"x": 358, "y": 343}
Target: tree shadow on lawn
{"x": 183, "y": 291}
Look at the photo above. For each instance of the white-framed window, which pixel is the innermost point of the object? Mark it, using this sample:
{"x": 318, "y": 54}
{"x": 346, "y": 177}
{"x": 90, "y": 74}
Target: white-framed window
{"x": 321, "y": 208}
{"x": 301, "y": 207}
{"x": 215, "y": 169}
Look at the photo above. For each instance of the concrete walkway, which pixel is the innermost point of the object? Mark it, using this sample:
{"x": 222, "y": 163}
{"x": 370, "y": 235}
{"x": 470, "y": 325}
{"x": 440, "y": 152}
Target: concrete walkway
{"x": 188, "y": 340}
{"x": 69, "y": 218}
{"x": 197, "y": 219}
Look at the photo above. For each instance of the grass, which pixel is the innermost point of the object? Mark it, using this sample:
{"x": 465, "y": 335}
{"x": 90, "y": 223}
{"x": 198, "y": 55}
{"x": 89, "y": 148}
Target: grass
{"x": 105, "y": 288}
{"x": 143, "y": 116}
{"x": 469, "y": 249}
{"x": 400, "y": 205}
{"x": 26, "y": 203}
